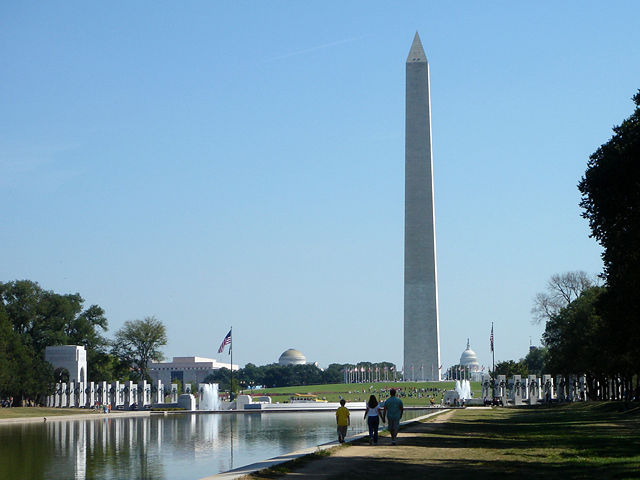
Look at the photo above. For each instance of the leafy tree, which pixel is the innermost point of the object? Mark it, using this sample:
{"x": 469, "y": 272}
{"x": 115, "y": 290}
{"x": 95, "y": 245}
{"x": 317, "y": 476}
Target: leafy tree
{"x": 536, "y": 360}
{"x": 138, "y": 342}
{"x": 562, "y": 289}
{"x": 250, "y": 375}
{"x": 23, "y": 375}
{"x": 20, "y": 300}
{"x": 33, "y": 319}
{"x": 334, "y": 373}
{"x": 574, "y": 337}
{"x": 511, "y": 368}
{"x": 610, "y": 191}
{"x": 104, "y": 366}
{"x": 221, "y": 376}
{"x": 275, "y": 375}
{"x": 7, "y": 337}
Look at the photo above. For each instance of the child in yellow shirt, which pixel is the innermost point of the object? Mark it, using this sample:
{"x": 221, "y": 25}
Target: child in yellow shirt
{"x": 343, "y": 420}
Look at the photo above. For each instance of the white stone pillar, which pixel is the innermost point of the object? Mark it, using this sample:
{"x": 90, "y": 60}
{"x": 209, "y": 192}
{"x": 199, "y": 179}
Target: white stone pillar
{"x": 71, "y": 389}
{"x": 486, "y": 388}
{"x": 115, "y": 394}
{"x": 533, "y": 390}
{"x": 159, "y": 392}
{"x": 142, "y": 393}
{"x": 174, "y": 393}
{"x": 79, "y": 394}
{"x": 517, "y": 390}
{"x": 91, "y": 395}
{"x": 81, "y": 397}
{"x": 582, "y": 380}
{"x": 525, "y": 389}
{"x": 502, "y": 389}
{"x": 561, "y": 388}
{"x": 540, "y": 390}
{"x": 63, "y": 395}
{"x": 128, "y": 394}
{"x": 103, "y": 397}
{"x": 572, "y": 385}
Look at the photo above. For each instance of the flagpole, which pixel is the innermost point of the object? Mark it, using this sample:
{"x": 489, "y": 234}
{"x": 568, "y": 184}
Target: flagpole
{"x": 231, "y": 353}
{"x": 493, "y": 351}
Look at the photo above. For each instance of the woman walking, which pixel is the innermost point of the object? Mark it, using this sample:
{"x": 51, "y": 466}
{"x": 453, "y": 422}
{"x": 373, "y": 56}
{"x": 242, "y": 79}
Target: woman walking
{"x": 372, "y": 414}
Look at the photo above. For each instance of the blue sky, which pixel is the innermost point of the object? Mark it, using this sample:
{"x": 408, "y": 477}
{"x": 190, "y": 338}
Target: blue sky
{"x": 241, "y": 163}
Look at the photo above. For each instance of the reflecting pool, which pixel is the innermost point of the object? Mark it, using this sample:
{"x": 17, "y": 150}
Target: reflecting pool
{"x": 178, "y": 446}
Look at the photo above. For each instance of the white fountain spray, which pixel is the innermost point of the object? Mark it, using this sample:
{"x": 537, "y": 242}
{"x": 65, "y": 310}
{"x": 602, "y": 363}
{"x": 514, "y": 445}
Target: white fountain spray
{"x": 463, "y": 387}
{"x": 209, "y": 399}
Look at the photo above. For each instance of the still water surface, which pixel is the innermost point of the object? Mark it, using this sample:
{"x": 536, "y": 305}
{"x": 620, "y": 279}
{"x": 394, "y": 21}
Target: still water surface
{"x": 176, "y": 447}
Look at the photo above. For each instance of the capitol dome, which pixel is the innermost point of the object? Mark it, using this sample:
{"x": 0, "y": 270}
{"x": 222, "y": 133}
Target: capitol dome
{"x": 292, "y": 357}
{"x": 470, "y": 359}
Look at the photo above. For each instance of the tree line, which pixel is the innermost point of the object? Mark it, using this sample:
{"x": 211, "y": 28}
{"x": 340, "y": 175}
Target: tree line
{"x": 276, "y": 375}
{"x": 32, "y": 318}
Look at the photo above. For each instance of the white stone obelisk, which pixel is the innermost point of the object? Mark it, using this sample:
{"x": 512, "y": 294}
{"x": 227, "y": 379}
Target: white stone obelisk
{"x": 421, "y": 325}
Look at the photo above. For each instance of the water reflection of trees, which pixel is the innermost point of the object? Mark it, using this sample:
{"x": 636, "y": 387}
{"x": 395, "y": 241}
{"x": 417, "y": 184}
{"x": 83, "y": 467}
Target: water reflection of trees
{"x": 23, "y": 454}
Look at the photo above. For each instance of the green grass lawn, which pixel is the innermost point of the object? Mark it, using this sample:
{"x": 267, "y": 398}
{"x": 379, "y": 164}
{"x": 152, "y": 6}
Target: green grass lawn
{"x": 580, "y": 440}
{"x": 354, "y": 392}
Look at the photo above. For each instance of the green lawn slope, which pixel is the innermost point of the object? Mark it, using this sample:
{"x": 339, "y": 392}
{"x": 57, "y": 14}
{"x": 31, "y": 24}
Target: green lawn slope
{"x": 412, "y": 393}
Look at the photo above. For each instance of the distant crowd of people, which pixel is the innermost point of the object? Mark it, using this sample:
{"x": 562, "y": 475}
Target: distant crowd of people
{"x": 434, "y": 395}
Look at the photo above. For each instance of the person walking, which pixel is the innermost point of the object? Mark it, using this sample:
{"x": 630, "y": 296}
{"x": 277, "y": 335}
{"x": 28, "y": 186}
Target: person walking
{"x": 372, "y": 414}
{"x": 393, "y": 409}
{"x": 343, "y": 420}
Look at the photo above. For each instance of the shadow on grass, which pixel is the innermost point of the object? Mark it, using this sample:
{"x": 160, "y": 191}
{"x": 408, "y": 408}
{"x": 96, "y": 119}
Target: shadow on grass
{"x": 589, "y": 431}
{"x": 466, "y": 470}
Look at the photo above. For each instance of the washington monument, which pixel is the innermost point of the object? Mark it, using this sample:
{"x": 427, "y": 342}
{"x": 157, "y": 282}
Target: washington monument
{"x": 421, "y": 325}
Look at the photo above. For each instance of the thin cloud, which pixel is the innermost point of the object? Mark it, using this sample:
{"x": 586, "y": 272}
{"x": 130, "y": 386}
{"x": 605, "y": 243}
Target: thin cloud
{"x": 313, "y": 49}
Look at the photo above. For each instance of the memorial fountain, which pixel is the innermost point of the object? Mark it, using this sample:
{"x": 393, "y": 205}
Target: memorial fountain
{"x": 463, "y": 387}
{"x": 209, "y": 400}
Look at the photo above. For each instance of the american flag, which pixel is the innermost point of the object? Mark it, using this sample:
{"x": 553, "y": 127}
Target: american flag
{"x": 491, "y": 337}
{"x": 225, "y": 342}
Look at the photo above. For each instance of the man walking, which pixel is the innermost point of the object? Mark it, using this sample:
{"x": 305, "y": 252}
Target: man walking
{"x": 393, "y": 409}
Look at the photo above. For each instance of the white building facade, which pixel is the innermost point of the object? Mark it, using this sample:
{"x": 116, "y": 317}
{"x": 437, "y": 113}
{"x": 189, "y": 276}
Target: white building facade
{"x": 72, "y": 358}
{"x": 186, "y": 369}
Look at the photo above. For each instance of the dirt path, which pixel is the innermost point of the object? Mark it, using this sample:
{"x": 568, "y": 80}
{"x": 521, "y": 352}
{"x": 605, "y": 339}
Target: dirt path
{"x": 407, "y": 459}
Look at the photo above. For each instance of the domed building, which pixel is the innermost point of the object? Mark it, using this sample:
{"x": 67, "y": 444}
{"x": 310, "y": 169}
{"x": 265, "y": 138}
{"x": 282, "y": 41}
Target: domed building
{"x": 292, "y": 357}
{"x": 469, "y": 359}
